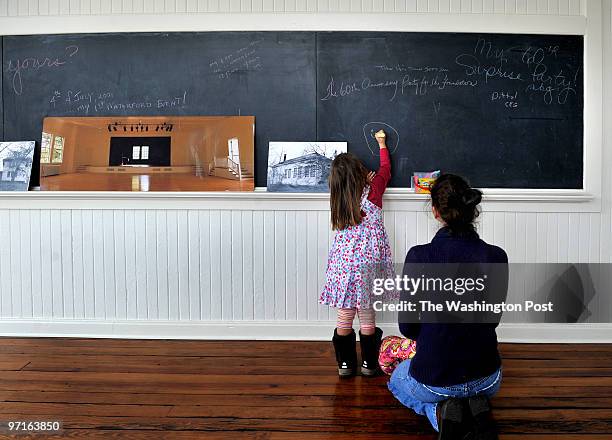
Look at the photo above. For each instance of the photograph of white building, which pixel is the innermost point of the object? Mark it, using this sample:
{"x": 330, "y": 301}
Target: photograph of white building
{"x": 301, "y": 166}
{"x": 16, "y": 165}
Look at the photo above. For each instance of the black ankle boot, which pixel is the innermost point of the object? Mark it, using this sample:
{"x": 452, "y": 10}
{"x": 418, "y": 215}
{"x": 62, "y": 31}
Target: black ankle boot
{"x": 484, "y": 424}
{"x": 370, "y": 345}
{"x": 346, "y": 353}
{"x": 451, "y": 420}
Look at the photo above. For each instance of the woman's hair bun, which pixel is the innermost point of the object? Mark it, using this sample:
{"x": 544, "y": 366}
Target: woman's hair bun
{"x": 456, "y": 202}
{"x": 471, "y": 197}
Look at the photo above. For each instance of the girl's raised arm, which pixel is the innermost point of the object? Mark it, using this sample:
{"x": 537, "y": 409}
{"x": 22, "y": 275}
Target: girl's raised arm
{"x": 379, "y": 182}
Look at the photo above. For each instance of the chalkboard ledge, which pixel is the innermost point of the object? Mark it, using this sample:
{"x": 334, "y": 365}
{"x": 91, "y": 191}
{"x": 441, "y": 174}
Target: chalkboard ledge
{"x": 398, "y": 199}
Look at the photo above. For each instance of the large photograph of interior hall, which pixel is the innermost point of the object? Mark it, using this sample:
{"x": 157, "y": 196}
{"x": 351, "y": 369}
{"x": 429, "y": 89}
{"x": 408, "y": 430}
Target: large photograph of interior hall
{"x": 187, "y": 153}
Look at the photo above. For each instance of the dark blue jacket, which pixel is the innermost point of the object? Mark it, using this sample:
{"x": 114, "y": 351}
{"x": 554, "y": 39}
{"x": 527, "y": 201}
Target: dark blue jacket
{"x": 451, "y": 354}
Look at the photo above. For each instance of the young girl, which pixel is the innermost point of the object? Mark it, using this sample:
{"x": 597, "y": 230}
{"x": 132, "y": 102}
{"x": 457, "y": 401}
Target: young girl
{"x": 360, "y": 251}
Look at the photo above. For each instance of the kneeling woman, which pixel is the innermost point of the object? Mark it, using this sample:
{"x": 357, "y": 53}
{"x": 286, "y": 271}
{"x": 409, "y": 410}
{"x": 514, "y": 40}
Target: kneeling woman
{"x": 456, "y": 367}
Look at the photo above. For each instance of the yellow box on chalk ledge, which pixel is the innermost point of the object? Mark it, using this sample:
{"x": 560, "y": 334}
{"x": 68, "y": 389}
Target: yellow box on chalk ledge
{"x": 422, "y": 181}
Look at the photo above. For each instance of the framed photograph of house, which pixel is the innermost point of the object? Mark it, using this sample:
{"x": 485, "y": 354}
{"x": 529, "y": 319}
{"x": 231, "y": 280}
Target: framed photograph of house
{"x": 301, "y": 166}
{"x": 16, "y": 165}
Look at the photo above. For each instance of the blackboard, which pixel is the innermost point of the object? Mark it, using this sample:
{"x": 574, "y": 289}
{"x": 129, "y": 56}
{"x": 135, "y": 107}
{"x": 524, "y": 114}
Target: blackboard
{"x": 504, "y": 110}
{"x": 267, "y": 74}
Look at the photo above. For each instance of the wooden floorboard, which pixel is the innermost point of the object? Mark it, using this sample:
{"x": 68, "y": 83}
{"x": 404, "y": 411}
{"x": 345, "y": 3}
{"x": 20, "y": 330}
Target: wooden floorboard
{"x": 166, "y": 389}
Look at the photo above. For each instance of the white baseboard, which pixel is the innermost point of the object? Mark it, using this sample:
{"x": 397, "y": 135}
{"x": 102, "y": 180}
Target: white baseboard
{"x": 274, "y": 330}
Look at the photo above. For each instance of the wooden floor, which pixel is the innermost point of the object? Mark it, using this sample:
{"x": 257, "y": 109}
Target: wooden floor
{"x": 151, "y": 389}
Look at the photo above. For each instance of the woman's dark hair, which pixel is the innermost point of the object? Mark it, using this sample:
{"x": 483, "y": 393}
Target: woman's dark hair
{"x": 347, "y": 178}
{"x": 456, "y": 203}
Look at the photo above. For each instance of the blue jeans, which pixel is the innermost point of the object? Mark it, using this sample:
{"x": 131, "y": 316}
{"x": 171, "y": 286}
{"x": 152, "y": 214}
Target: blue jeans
{"x": 424, "y": 399}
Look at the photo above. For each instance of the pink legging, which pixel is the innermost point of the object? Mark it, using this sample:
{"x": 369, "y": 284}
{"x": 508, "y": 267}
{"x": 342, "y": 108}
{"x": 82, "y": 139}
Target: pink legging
{"x": 367, "y": 319}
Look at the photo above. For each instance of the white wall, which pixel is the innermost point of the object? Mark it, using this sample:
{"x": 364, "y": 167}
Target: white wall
{"x": 207, "y": 267}
{"x": 17, "y": 8}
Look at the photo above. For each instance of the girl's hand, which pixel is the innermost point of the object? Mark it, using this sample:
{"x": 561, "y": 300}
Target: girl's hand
{"x": 381, "y": 138}
{"x": 371, "y": 176}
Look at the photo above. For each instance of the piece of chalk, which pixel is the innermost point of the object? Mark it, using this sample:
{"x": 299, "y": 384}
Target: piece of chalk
{"x": 380, "y": 133}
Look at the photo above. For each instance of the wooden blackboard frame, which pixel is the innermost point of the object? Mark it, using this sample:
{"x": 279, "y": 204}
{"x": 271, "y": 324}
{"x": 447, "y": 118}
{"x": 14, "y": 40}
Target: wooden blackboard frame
{"x": 587, "y": 199}
{"x": 1, "y": 88}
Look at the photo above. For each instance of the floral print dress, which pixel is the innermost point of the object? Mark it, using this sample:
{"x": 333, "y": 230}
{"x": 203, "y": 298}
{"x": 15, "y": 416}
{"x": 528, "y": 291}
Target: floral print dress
{"x": 358, "y": 255}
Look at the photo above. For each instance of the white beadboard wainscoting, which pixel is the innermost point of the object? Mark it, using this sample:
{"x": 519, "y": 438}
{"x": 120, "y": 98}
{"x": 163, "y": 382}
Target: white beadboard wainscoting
{"x": 254, "y": 271}
{"x": 250, "y": 266}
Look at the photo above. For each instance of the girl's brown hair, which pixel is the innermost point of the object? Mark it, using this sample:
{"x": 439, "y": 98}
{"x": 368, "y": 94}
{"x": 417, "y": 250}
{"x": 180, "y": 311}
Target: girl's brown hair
{"x": 456, "y": 203}
{"x": 347, "y": 178}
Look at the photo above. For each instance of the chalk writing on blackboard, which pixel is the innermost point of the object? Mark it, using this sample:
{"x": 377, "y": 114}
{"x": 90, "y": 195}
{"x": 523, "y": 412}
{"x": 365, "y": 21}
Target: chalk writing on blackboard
{"x": 241, "y": 60}
{"x": 403, "y": 68}
{"x": 484, "y": 64}
{"x": 473, "y": 67}
{"x": 87, "y": 102}
{"x": 393, "y": 137}
{"x": 491, "y": 62}
{"x": 551, "y": 85}
{"x": 19, "y": 66}
{"x": 488, "y": 61}
{"x": 508, "y": 99}
{"x": 436, "y": 106}
{"x": 418, "y": 85}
